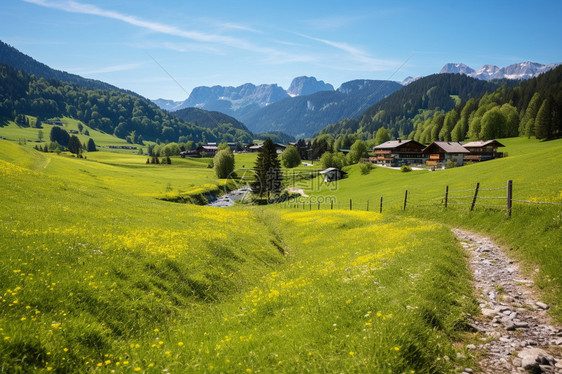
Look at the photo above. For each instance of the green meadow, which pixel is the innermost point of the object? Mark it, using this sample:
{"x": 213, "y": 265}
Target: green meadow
{"x": 532, "y": 234}
{"x": 99, "y": 274}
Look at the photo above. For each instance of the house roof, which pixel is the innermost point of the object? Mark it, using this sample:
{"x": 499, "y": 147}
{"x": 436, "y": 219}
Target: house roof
{"x": 208, "y": 147}
{"x": 447, "y": 147}
{"x": 393, "y": 144}
{"x": 483, "y": 143}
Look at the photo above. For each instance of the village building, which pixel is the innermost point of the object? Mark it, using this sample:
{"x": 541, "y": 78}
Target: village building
{"x": 332, "y": 174}
{"x": 209, "y": 150}
{"x": 441, "y": 152}
{"x": 186, "y": 153}
{"x": 483, "y": 150}
{"x": 399, "y": 152}
{"x": 279, "y": 148}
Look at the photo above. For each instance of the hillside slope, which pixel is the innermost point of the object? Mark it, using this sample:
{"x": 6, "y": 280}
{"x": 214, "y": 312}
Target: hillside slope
{"x": 14, "y": 58}
{"x": 432, "y": 93}
{"x": 110, "y": 111}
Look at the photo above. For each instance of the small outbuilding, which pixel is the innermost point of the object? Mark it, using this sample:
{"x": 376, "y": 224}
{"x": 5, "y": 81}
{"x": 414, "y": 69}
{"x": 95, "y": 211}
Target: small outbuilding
{"x": 332, "y": 174}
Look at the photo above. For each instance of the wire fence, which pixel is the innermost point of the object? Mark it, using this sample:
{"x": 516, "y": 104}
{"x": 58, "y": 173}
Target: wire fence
{"x": 496, "y": 198}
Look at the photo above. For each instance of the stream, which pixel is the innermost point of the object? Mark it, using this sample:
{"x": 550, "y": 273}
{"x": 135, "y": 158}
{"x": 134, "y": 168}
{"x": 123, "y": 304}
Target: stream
{"x": 229, "y": 198}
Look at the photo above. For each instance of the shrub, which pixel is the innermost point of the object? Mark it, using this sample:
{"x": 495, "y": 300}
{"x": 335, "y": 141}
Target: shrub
{"x": 291, "y": 157}
{"x": 365, "y": 168}
{"x": 223, "y": 163}
{"x": 450, "y": 164}
{"x": 405, "y": 168}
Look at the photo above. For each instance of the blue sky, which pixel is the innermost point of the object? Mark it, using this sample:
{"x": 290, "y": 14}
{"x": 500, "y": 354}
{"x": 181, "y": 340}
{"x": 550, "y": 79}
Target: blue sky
{"x": 153, "y": 48}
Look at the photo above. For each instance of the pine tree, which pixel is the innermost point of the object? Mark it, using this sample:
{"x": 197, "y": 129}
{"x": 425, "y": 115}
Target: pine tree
{"x": 74, "y": 145}
{"x": 527, "y": 125}
{"x": 268, "y": 171}
{"x": 543, "y": 121}
{"x": 91, "y": 145}
{"x": 449, "y": 123}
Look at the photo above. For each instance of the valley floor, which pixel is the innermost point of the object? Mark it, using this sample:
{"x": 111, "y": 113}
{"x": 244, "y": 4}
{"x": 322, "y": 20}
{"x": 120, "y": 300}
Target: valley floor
{"x": 96, "y": 276}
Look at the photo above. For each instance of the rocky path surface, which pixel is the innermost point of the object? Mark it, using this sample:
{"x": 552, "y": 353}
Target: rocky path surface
{"x": 519, "y": 335}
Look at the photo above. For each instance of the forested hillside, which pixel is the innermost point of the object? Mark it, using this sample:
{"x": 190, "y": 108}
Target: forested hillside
{"x": 451, "y": 110}
{"x": 534, "y": 108}
{"x": 11, "y": 56}
{"x": 110, "y": 111}
{"x": 400, "y": 111}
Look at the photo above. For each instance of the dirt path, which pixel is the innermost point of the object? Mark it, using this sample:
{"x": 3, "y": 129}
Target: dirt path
{"x": 519, "y": 335}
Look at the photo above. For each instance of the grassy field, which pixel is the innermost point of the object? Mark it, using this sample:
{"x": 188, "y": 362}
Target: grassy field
{"x": 96, "y": 276}
{"x": 534, "y": 232}
{"x": 13, "y": 132}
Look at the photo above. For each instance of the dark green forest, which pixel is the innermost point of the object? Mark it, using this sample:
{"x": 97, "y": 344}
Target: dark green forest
{"x": 111, "y": 111}
{"x": 454, "y": 107}
{"x": 11, "y": 56}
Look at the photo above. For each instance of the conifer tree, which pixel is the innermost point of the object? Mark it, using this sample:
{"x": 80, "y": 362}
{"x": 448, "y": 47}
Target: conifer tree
{"x": 268, "y": 171}
{"x": 74, "y": 145}
{"x": 543, "y": 121}
{"x": 527, "y": 125}
{"x": 91, "y": 145}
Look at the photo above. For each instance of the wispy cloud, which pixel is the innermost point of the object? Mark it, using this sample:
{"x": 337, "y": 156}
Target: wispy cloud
{"x": 110, "y": 69}
{"x": 198, "y": 36}
{"x": 357, "y": 54}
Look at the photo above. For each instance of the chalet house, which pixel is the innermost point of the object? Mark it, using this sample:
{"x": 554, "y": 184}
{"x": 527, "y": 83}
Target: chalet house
{"x": 332, "y": 174}
{"x": 483, "y": 150}
{"x": 207, "y": 149}
{"x": 441, "y": 152}
{"x": 399, "y": 152}
{"x": 279, "y": 148}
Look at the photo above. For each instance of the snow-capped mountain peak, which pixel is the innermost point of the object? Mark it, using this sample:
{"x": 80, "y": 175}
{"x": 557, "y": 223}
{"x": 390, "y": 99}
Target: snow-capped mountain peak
{"x": 522, "y": 70}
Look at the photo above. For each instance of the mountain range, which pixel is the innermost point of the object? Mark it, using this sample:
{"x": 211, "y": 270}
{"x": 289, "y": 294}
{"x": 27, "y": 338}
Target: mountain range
{"x": 241, "y": 100}
{"x": 302, "y": 116}
{"x": 309, "y": 104}
{"x": 522, "y": 70}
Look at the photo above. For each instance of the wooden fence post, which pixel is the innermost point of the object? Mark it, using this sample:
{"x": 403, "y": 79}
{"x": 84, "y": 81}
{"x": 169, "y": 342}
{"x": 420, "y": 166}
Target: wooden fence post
{"x": 509, "y": 197}
{"x": 446, "y": 195}
{"x": 380, "y": 206}
{"x": 309, "y": 205}
{"x": 319, "y": 205}
{"x": 303, "y": 205}
{"x": 367, "y": 205}
{"x": 405, "y": 199}
{"x": 350, "y": 204}
{"x": 332, "y": 204}
{"x": 475, "y": 196}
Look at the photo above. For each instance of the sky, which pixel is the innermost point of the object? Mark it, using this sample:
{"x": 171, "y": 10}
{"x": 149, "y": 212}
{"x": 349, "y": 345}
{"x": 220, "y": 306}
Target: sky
{"x": 165, "y": 48}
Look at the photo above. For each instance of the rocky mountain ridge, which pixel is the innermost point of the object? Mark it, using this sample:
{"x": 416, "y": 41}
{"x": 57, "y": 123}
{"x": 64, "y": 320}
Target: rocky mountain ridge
{"x": 522, "y": 70}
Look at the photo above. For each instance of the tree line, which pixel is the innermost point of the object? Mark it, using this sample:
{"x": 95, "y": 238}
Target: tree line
{"x": 532, "y": 108}
{"x": 110, "y": 111}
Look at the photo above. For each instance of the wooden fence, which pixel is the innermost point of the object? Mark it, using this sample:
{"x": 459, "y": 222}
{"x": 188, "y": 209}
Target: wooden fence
{"x": 499, "y": 198}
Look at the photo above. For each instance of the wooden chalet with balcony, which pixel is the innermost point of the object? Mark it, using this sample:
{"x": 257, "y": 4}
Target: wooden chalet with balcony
{"x": 441, "y": 152}
{"x": 399, "y": 152}
{"x": 483, "y": 150}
